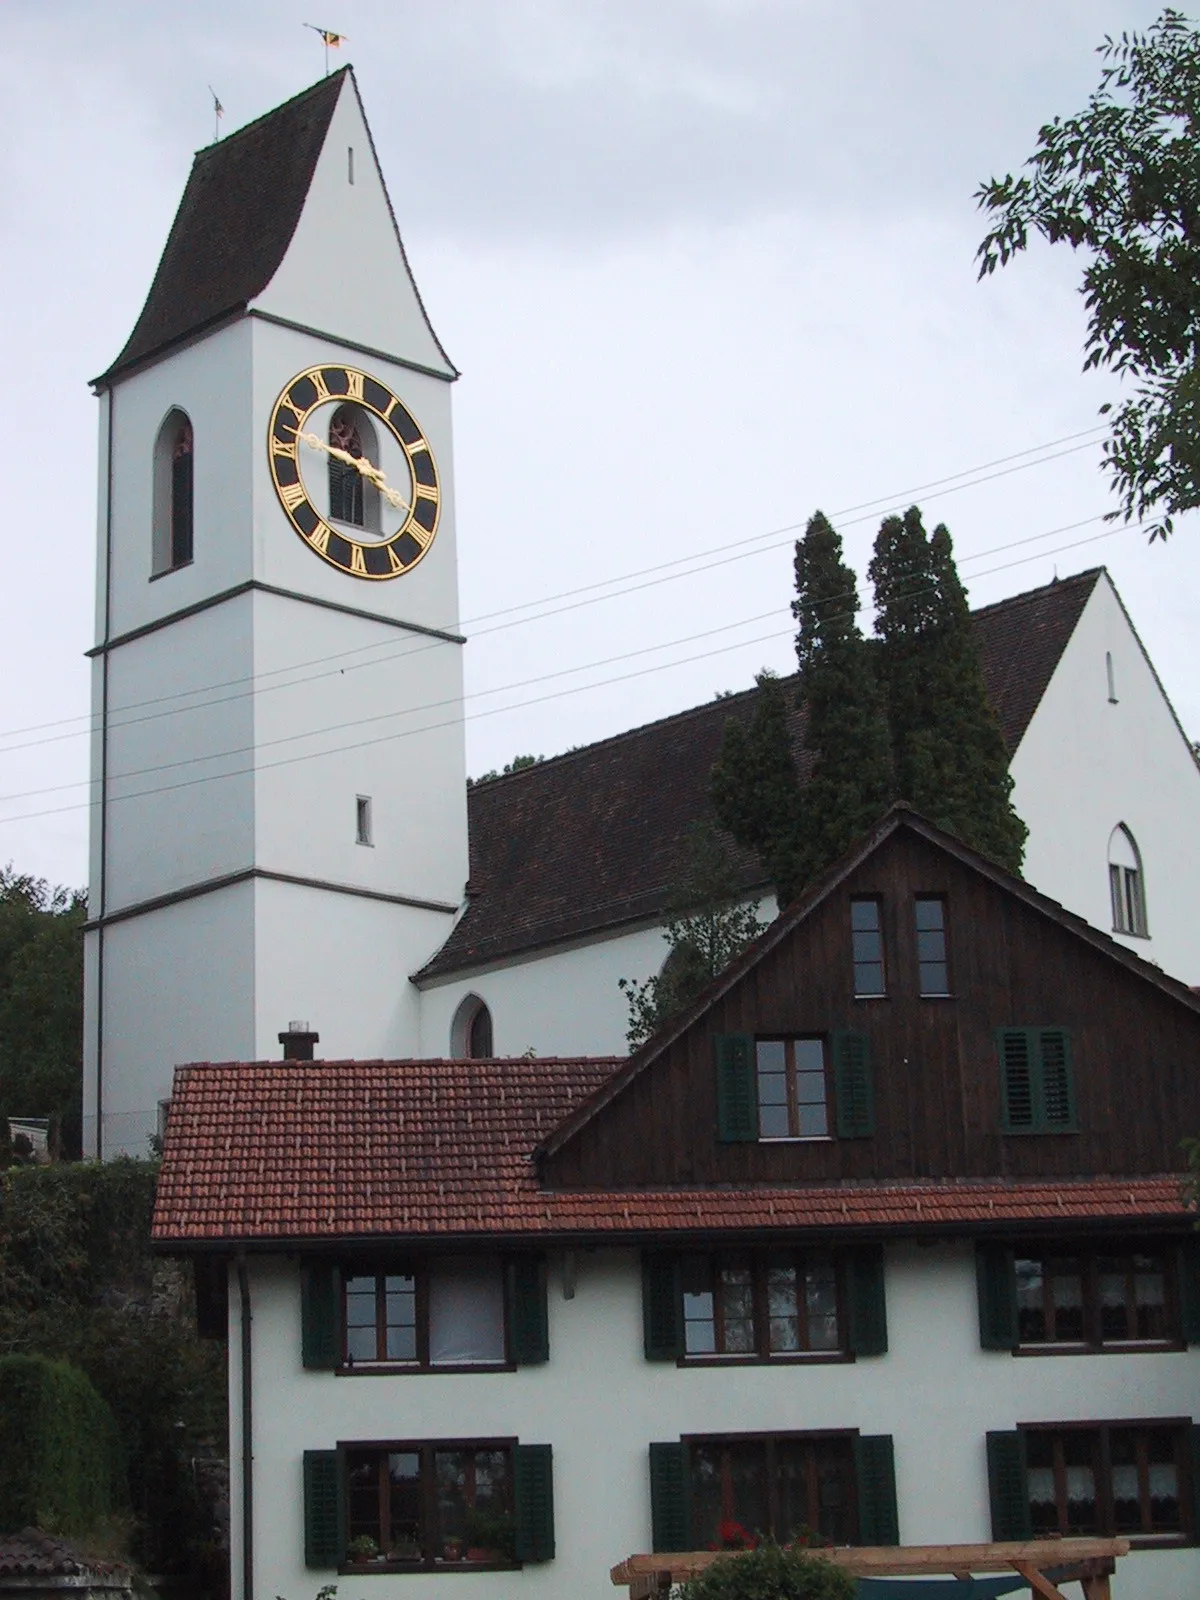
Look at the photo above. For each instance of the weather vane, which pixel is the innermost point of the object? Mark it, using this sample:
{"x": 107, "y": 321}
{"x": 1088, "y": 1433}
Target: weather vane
{"x": 331, "y": 41}
{"x": 218, "y": 113}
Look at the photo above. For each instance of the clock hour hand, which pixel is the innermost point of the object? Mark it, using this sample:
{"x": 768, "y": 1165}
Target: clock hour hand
{"x": 360, "y": 464}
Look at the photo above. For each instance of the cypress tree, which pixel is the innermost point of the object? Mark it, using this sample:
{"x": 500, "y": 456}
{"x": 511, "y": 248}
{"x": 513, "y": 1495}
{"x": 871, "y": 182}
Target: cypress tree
{"x": 849, "y": 786}
{"x": 948, "y": 752}
{"x": 756, "y": 788}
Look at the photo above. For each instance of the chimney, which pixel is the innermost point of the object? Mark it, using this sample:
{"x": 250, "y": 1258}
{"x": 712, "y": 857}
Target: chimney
{"x": 298, "y": 1042}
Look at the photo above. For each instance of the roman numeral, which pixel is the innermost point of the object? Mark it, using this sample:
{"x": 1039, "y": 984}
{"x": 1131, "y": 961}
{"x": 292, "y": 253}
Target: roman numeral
{"x": 319, "y": 537}
{"x": 396, "y": 564}
{"x": 354, "y": 384}
{"x": 279, "y": 448}
{"x": 318, "y": 379}
{"x": 358, "y": 563}
{"x": 421, "y": 444}
{"x": 292, "y": 494}
{"x": 427, "y": 491}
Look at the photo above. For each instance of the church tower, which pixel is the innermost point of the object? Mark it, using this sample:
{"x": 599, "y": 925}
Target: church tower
{"x": 279, "y": 801}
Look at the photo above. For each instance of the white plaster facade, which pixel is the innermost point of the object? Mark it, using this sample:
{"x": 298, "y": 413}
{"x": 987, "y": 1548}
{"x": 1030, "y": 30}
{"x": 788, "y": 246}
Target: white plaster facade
{"x": 600, "y": 1403}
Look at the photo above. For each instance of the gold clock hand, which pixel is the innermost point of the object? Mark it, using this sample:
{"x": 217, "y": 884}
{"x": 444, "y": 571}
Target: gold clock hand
{"x": 360, "y": 463}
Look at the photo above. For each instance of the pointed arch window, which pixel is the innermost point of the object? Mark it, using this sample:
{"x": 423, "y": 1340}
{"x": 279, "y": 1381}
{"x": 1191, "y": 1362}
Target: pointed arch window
{"x": 174, "y": 480}
{"x": 471, "y": 1031}
{"x": 1127, "y": 883}
{"x": 353, "y": 499}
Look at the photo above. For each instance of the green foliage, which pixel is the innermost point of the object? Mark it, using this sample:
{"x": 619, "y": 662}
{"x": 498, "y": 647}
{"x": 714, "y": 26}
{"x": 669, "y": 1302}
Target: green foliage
{"x": 41, "y": 1003}
{"x": 706, "y": 928}
{"x": 61, "y": 1462}
{"x": 1121, "y": 181}
{"x": 78, "y": 1283}
{"x": 1191, "y": 1184}
{"x": 517, "y": 764}
{"x": 948, "y": 753}
{"x": 756, "y": 788}
{"x": 771, "y": 1572}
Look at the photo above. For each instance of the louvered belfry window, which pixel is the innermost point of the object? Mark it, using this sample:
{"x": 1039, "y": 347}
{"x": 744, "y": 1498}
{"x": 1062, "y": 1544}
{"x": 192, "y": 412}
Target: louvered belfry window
{"x": 1037, "y": 1084}
{"x": 346, "y": 486}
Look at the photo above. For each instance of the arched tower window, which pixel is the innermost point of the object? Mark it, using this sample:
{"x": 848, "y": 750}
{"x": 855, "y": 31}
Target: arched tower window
{"x": 174, "y": 467}
{"x": 1126, "y": 883}
{"x": 352, "y": 498}
{"x": 471, "y": 1031}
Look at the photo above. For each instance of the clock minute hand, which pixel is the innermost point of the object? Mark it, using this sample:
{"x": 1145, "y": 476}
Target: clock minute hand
{"x": 360, "y": 464}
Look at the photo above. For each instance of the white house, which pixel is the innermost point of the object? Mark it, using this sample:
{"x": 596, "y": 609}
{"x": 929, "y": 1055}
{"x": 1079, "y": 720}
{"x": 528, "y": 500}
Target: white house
{"x": 829, "y": 1252}
{"x": 282, "y": 830}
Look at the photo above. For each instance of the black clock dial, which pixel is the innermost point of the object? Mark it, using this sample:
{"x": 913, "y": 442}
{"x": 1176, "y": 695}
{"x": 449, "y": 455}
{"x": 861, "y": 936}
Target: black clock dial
{"x": 371, "y": 523}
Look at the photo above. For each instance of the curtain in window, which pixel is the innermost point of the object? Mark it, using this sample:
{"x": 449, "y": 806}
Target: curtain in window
{"x": 466, "y": 1312}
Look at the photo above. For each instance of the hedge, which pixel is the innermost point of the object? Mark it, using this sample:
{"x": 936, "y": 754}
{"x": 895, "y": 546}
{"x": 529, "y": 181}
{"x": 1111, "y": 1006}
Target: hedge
{"x": 61, "y": 1461}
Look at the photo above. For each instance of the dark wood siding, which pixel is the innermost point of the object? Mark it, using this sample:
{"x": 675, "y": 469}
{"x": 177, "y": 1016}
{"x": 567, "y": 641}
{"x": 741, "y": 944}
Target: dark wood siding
{"x": 1135, "y": 1050}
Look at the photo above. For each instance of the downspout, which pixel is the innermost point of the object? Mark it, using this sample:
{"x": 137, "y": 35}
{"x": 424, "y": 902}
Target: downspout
{"x": 247, "y": 1435}
{"x": 102, "y": 873}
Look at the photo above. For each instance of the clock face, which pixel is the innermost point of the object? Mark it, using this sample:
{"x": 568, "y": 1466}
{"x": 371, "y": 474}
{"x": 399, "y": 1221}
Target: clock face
{"x": 353, "y": 472}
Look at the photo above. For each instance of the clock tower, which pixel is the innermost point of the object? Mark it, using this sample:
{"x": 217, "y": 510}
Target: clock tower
{"x": 278, "y": 777}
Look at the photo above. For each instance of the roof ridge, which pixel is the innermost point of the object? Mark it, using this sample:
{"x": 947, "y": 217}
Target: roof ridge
{"x": 1046, "y": 588}
{"x": 207, "y": 150}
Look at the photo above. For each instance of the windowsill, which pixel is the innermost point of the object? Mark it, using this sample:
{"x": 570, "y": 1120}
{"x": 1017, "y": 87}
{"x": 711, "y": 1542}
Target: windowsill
{"x": 398, "y": 1369}
{"x": 167, "y": 571}
{"x": 1039, "y": 1133}
{"x": 799, "y": 1358}
{"x": 872, "y": 997}
{"x": 1128, "y": 933}
{"x": 365, "y": 844}
{"x": 366, "y": 1569}
{"x": 797, "y": 1138}
{"x": 1125, "y": 1347}
{"x": 944, "y": 996}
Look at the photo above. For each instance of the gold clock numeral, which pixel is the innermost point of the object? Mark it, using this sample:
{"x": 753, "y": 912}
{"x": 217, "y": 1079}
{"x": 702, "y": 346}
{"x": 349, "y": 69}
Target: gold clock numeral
{"x": 358, "y": 564}
{"x": 319, "y": 537}
{"x": 354, "y": 385}
{"x": 292, "y": 494}
{"x": 394, "y": 560}
{"x": 283, "y": 406}
{"x": 391, "y": 406}
{"x": 279, "y": 448}
{"x": 421, "y": 444}
{"x": 318, "y": 379}
{"x": 427, "y": 491}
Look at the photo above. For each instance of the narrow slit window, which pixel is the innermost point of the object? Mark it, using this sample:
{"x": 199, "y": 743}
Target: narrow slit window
{"x": 866, "y": 933}
{"x": 172, "y": 536}
{"x": 362, "y": 820}
{"x": 350, "y": 163}
{"x": 1111, "y": 676}
{"x": 933, "y": 969}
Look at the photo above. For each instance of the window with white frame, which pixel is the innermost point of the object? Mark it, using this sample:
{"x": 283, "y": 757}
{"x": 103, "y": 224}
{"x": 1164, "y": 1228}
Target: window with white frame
{"x": 1127, "y": 883}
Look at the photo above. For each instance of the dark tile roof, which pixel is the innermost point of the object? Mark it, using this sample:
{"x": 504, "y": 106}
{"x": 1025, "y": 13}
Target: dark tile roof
{"x": 351, "y": 1150}
{"x": 235, "y": 221}
{"x": 596, "y": 838}
{"x": 34, "y": 1554}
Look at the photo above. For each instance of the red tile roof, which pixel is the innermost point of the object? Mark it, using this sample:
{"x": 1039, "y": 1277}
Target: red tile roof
{"x": 327, "y": 1151}
{"x": 597, "y": 837}
{"x": 34, "y": 1554}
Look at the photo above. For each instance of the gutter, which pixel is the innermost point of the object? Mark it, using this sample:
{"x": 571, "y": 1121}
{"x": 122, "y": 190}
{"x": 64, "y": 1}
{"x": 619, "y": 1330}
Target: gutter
{"x": 247, "y": 1432}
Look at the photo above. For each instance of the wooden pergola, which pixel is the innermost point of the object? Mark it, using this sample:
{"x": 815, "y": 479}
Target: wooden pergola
{"x": 1090, "y": 1562}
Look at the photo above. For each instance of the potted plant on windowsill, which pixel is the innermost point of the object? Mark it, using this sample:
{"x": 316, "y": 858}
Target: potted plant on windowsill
{"x": 491, "y": 1536}
{"x": 362, "y": 1549}
{"x": 452, "y": 1548}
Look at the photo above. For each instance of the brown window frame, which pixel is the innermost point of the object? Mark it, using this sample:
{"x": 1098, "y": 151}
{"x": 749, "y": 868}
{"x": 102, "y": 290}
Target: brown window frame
{"x": 839, "y": 1438}
{"x": 1088, "y": 1255}
{"x": 789, "y": 1042}
{"x": 759, "y": 1263}
{"x": 430, "y": 1537}
{"x": 419, "y": 1271}
{"x": 1102, "y": 1467}
{"x": 933, "y": 898}
{"x": 855, "y": 961}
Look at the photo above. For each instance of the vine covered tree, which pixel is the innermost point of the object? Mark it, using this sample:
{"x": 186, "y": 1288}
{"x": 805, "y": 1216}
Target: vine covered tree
{"x": 1121, "y": 182}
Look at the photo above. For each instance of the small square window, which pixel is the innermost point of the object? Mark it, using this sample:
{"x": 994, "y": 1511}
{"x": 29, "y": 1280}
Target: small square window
{"x": 362, "y": 820}
{"x": 866, "y": 934}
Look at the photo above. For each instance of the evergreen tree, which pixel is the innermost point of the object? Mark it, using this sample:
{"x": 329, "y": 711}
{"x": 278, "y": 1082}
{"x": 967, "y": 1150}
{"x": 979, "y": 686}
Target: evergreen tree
{"x": 756, "y": 788}
{"x": 707, "y": 926}
{"x": 849, "y": 786}
{"x": 948, "y": 752}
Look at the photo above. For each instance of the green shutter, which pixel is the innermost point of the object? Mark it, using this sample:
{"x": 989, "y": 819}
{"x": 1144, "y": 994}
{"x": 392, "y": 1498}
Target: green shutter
{"x": 854, "y": 1089}
{"x": 1007, "y": 1486}
{"x": 662, "y": 1306}
{"x": 1057, "y": 1085}
{"x": 1189, "y": 1293}
{"x": 866, "y": 1302}
{"x": 1016, "y": 1080}
{"x": 320, "y": 1316}
{"x": 324, "y": 1534}
{"x": 528, "y": 1321}
{"x": 996, "y": 1284}
{"x": 737, "y": 1090}
{"x": 1194, "y": 1444}
{"x": 875, "y": 1468}
{"x": 670, "y": 1498}
{"x": 535, "y": 1502}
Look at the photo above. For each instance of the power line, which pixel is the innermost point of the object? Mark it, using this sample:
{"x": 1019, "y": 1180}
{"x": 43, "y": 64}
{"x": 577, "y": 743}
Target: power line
{"x": 617, "y": 586}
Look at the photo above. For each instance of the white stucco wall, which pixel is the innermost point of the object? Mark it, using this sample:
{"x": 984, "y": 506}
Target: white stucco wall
{"x": 1086, "y": 765}
{"x": 600, "y": 1404}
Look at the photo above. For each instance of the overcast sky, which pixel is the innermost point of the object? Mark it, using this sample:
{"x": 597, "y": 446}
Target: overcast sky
{"x": 712, "y": 260}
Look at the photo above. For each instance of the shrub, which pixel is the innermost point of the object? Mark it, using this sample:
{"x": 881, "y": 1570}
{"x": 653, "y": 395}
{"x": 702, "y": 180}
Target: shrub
{"x": 61, "y": 1466}
{"x": 770, "y": 1572}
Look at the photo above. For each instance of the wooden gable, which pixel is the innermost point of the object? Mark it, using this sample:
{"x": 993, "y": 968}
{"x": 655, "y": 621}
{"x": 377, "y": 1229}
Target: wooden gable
{"x": 1121, "y": 1037}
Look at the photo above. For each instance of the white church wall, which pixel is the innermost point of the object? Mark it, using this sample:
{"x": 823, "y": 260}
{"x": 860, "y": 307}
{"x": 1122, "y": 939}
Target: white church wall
{"x": 1087, "y": 764}
{"x": 599, "y": 1403}
{"x": 341, "y": 963}
{"x": 178, "y": 987}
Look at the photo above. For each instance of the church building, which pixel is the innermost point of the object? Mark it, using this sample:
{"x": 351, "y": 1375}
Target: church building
{"x": 283, "y": 839}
